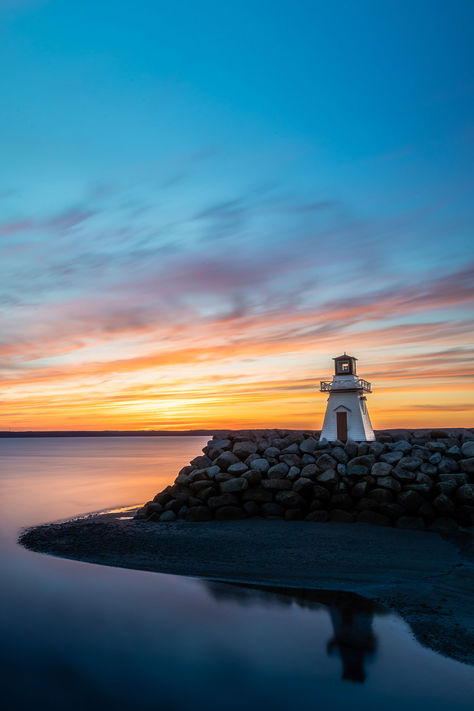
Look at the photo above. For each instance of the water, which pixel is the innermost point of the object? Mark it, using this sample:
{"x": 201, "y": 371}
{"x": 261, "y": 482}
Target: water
{"x": 81, "y": 636}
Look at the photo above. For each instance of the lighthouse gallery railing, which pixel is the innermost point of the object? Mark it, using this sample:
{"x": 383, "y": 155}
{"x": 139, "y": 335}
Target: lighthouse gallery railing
{"x": 361, "y": 384}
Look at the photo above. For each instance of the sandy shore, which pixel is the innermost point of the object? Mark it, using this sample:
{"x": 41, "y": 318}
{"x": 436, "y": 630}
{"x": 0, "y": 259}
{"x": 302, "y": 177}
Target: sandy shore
{"x": 425, "y": 578}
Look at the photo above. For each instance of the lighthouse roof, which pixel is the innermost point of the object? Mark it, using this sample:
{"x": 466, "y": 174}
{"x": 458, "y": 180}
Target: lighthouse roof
{"x": 344, "y": 356}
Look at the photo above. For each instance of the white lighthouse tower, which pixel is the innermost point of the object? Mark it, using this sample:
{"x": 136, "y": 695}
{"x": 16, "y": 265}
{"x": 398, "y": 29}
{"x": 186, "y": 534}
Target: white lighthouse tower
{"x": 346, "y": 413}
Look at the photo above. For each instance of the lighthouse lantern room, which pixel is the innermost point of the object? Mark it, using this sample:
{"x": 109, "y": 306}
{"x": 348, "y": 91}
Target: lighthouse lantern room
{"x": 346, "y": 412}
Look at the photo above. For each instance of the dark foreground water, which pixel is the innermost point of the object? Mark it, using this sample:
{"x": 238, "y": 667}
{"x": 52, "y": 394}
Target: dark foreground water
{"x": 77, "y": 636}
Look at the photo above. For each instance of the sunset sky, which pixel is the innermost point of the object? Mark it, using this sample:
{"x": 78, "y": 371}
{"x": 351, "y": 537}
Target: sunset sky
{"x": 201, "y": 203}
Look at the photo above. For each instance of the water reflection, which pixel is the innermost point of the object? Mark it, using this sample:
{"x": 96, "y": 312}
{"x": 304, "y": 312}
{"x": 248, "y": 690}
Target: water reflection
{"x": 351, "y": 616}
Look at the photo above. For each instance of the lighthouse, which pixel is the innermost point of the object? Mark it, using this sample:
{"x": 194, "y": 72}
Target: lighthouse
{"x": 346, "y": 412}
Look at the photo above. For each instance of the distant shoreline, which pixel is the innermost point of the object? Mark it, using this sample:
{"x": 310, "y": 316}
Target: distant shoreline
{"x": 190, "y": 433}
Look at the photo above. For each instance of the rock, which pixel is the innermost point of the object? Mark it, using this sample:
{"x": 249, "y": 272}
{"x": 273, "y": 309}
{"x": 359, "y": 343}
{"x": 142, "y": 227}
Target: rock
{"x": 458, "y": 477}
{"x": 230, "y": 513}
{"x": 201, "y": 462}
{"x": 292, "y": 460}
{"x": 278, "y": 471}
{"x": 310, "y": 471}
{"x": 341, "y": 501}
{"x": 198, "y": 513}
{"x": 234, "y": 485}
{"x": 365, "y": 460}
{"x": 243, "y": 449}
{"x": 443, "y": 524}
{"x": 342, "y": 516}
{"x": 341, "y": 469}
{"x": 308, "y": 446}
{"x": 290, "y": 499}
{"x": 366, "y": 504}
{"x": 293, "y": 515}
{"x": 356, "y": 470}
{"x": 260, "y": 465}
{"x": 222, "y": 476}
{"x": 404, "y": 475}
{"x": 435, "y": 458}
{"x": 427, "y": 468}
{"x": 391, "y": 457}
{"x": 410, "y": 463}
{"x": 339, "y": 455}
{"x": 438, "y": 434}
{"x": 271, "y": 452}
{"x": 443, "y": 504}
{"x": 307, "y": 459}
{"x": 277, "y": 484}
{"x": 251, "y": 508}
{"x": 225, "y": 460}
{"x": 465, "y": 515}
{"x": 257, "y": 494}
{"x": 467, "y": 449}
{"x": 410, "y": 500}
{"x": 183, "y": 476}
{"x": 168, "y": 516}
{"x": 393, "y": 511}
{"x": 465, "y": 494}
{"x": 381, "y": 469}
{"x": 454, "y": 452}
{"x": 237, "y": 468}
{"x": 447, "y": 487}
{"x": 402, "y": 446}
{"x": 373, "y": 517}
{"x": 303, "y": 486}
{"x": 212, "y": 471}
{"x": 328, "y": 477}
{"x": 325, "y": 461}
{"x": 376, "y": 448}
{"x": 381, "y": 496}
{"x": 411, "y": 522}
{"x": 222, "y": 500}
{"x": 467, "y": 465}
{"x": 293, "y": 473}
{"x": 254, "y": 478}
{"x": 447, "y": 465}
{"x": 317, "y": 516}
{"x": 359, "y": 490}
{"x": 388, "y": 482}
{"x": 427, "y": 511}
{"x": 273, "y": 510}
{"x": 199, "y": 485}
{"x": 320, "y": 493}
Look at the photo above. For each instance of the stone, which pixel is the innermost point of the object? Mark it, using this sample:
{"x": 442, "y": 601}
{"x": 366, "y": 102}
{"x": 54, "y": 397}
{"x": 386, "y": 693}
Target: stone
{"x": 465, "y": 515}
{"x": 303, "y": 486}
{"x": 205, "y": 493}
{"x": 404, "y": 475}
{"x": 237, "y": 468}
{"x": 356, "y": 469}
{"x": 325, "y": 461}
{"x": 359, "y": 490}
{"x": 381, "y": 469}
{"x": 443, "y": 524}
{"x": 341, "y": 501}
{"x": 198, "y": 513}
{"x": 411, "y": 522}
{"x": 438, "y": 434}
{"x": 212, "y": 471}
{"x": 373, "y": 517}
{"x": 197, "y": 475}
{"x": 465, "y": 494}
{"x": 339, "y": 455}
{"x": 183, "y": 476}
{"x": 410, "y": 463}
{"x": 393, "y": 511}
{"x": 277, "y": 484}
{"x": 307, "y": 459}
{"x": 278, "y": 471}
{"x": 291, "y": 449}
{"x": 391, "y": 457}
{"x": 328, "y": 477}
{"x": 293, "y": 515}
{"x": 253, "y": 477}
{"x": 271, "y": 452}
{"x": 435, "y": 458}
{"x": 308, "y": 446}
{"x": 410, "y": 500}
{"x": 261, "y": 465}
{"x": 447, "y": 487}
{"x": 320, "y": 492}
{"x": 225, "y": 460}
{"x": 376, "y": 448}
{"x": 273, "y": 510}
{"x": 341, "y": 469}
{"x": 427, "y": 511}
{"x": 251, "y": 508}
{"x": 201, "y": 462}
{"x": 258, "y": 494}
{"x": 230, "y": 513}
{"x": 243, "y": 449}
{"x": 388, "y": 482}
{"x": 342, "y": 516}
{"x": 402, "y": 446}
{"x": 290, "y": 499}
{"x": 427, "y": 468}
{"x": 467, "y": 465}
{"x": 381, "y": 496}
{"x": 234, "y": 485}
{"x": 443, "y": 504}
{"x": 199, "y": 485}
{"x": 454, "y": 452}
{"x": 322, "y": 443}
{"x": 458, "y": 477}
{"x": 310, "y": 471}
{"x": 467, "y": 449}
{"x": 366, "y": 504}
{"x": 447, "y": 465}
{"x": 222, "y": 500}
{"x": 222, "y": 476}
{"x": 293, "y": 473}
{"x": 365, "y": 460}
{"x": 317, "y": 516}
{"x": 168, "y": 516}
{"x": 292, "y": 460}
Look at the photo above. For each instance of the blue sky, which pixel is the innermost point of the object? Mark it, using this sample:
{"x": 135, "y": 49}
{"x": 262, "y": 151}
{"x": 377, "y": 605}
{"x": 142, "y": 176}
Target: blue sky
{"x": 189, "y": 162}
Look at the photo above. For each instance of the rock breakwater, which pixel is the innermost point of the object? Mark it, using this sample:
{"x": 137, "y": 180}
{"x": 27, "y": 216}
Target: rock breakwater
{"x": 412, "y": 481}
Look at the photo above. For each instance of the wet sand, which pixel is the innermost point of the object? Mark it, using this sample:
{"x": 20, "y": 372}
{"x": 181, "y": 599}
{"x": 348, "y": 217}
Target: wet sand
{"x": 427, "y": 579}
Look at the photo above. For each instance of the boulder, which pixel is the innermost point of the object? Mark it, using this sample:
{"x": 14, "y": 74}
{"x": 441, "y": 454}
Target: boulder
{"x": 273, "y": 510}
{"x": 391, "y": 457}
{"x": 411, "y": 522}
{"x": 277, "y": 484}
{"x": 234, "y": 485}
{"x": 198, "y": 513}
{"x": 467, "y": 449}
{"x": 465, "y": 494}
{"x": 325, "y": 461}
{"x": 310, "y": 471}
{"x": 251, "y": 508}
{"x": 278, "y": 471}
{"x": 237, "y": 468}
{"x": 381, "y": 496}
{"x": 293, "y": 473}
{"x": 328, "y": 477}
{"x": 243, "y": 449}
{"x": 410, "y": 500}
{"x": 342, "y": 516}
{"x": 168, "y": 516}
{"x": 257, "y": 494}
{"x": 381, "y": 469}
{"x": 467, "y": 465}
{"x": 230, "y": 513}
{"x": 290, "y": 499}
{"x": 317, "y": 516}
{"x": 225, "y": 460}
{"x": 443, "y": 504}
{"x": 303, "y": 486}
{"x": 260, "y": 465}
{"x": 388, "y": 482}
{"x": 373, "y": 517}
{"x": 222, "y": 500}
{"x": 308, "y": 446}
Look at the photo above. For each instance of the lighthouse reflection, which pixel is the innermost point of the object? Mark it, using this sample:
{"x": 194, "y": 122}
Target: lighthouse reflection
{"x": 351, "y": 616}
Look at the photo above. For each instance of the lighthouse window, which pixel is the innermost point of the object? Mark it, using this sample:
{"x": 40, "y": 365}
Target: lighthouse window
{"x": 344, "y": 367}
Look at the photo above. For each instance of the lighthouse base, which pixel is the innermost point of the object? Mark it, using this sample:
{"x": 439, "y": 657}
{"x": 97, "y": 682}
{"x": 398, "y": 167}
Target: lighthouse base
{"x": 347, "y": 418}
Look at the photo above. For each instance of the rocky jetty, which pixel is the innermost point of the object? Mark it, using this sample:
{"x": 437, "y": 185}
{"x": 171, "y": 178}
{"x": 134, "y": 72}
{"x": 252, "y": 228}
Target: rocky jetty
{"x": 420, "y": 480}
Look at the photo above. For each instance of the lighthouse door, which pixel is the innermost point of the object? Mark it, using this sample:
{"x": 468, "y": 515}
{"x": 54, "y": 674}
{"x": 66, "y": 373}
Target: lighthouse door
{"x": 342, "y": 426}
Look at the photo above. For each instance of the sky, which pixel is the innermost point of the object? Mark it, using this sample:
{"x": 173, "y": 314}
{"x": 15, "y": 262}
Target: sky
{"x": 201, "y": 203}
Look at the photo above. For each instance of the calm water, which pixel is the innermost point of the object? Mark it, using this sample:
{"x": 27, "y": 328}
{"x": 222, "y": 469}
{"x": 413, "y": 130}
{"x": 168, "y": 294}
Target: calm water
{"x": 80, "y": 636}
